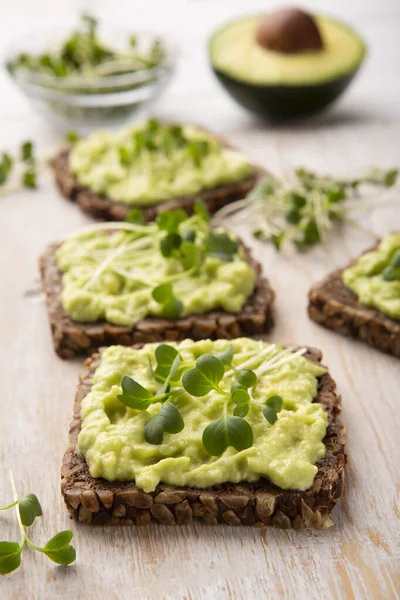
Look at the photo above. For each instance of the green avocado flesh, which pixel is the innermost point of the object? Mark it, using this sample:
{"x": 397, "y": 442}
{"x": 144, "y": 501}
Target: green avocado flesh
{"x": 151, "y": 163}
{"x": 235, "y": 52}
{"x": 112, "y": 435}
{"x": 375, "y": 277}
{"x": 111, "y": 275}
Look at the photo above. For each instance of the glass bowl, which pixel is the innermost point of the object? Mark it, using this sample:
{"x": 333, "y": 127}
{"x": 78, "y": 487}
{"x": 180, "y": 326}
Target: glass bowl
{"x": 85, "y": 103}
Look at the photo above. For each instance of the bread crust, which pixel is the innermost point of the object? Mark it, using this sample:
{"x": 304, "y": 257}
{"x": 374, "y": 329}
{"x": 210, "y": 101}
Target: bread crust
{"x": 97, "y": 501}
{"x": 333, "y": 305}
{"x": 72, "y": 339}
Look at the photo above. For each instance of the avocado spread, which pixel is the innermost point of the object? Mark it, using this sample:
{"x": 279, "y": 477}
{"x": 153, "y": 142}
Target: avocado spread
{"x": 286, "y": 452}
{"x": 153, "y": 162}
{"x": 113, "y": 276}
{"x": 375, "y": 277}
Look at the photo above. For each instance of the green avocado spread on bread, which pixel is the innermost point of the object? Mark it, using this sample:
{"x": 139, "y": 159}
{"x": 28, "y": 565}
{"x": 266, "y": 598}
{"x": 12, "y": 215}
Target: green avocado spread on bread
{"x": 125, "y": 272}
{"x": 204, "y": 413}
{"x": 153, "y": 162}
{"x": 375, "y": 277}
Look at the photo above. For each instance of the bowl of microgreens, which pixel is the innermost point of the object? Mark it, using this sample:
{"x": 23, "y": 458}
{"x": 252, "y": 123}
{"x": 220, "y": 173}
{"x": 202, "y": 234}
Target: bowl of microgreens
{"x": 92, "y": 75}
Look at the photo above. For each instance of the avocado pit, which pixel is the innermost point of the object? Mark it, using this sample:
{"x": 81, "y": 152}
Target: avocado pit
{"x": 289, "y": 31}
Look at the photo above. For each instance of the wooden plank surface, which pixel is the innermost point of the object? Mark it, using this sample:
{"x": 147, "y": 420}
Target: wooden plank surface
{"x": 358, "y": 558}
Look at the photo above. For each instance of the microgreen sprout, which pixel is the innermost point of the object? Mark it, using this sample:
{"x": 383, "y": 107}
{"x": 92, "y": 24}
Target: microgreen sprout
{"x": 271, "y": 408}
{"x": 303, "y": 213}
{"x": 24, "y": 162}
{"x": 28, "y": 508}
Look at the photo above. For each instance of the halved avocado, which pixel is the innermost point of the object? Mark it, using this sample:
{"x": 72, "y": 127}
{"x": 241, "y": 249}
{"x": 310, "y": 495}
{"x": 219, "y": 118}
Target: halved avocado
{"x": 285, "y": 84}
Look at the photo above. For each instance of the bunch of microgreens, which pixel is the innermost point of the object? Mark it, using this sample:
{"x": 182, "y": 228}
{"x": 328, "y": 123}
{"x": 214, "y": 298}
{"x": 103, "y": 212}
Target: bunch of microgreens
{"x": 198, "y": 379}
{"x": 27, "y": 161}
{"x": 189, "y": 248}
{"x": 156, "y": 136}
{"x": 27, "y": 508}
{"x": 83, "y": 53}
{"x": 303, "y": 212}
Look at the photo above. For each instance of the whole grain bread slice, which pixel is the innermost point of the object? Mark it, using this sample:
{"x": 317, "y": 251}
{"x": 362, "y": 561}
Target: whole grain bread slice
{"x": 100, "y": 502}
{"x": 104, "y": 208}
{"x": 333, "y": 305}
{"x": 71, "y": 338}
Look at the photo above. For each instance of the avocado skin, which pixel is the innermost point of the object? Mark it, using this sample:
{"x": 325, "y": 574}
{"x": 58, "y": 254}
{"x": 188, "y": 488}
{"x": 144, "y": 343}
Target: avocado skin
{"x": 285, "y": 102}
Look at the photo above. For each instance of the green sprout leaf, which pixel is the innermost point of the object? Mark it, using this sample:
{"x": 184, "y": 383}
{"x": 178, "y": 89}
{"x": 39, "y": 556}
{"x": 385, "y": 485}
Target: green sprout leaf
{"x": 201, "y": 210}
{"x": 125, "y": 157}
{"x": 226, "y": 355}
{"x": 162, "y": 293}
{"x": 29, "y": 509}
{"x": 271, "y": 408}
{"x": 246, "y": 378}
{"x": 72, "y": 136}
{"x": 388, "y": 273}
{"x": 169, "y": 243}
{"x": 6, "y": 164}
{"x": 198, "y": 150}
{"x": 27, "y": 151}
{"x": 134, "y": 395}
{"x": 206, "y": 375}
{"x": 229, "y": 431}
{"x": 190, "y": 255}
{"x": 172, "y": 308}
{"x": 165, "y": 356}
{"x": 241, "y": 398}
{"x": 311, "y": 233}
{"x": 167, "y": 420}
{"x": 59, "y": 550}
{"x": 135, "y": 216}
{"x": 221, "y": 246}
{"x": 28, "y": 179}
{"x": 390, "y": 177}
{"x": 395, "y": 262}
{"x": 169, "y": 221}
{"x": 10, "y": 557}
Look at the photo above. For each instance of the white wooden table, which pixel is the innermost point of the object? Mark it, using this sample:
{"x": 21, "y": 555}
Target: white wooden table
{"x": 360, "y": 557}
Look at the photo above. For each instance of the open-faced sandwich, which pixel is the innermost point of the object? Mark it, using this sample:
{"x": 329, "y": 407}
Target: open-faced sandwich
{"x": 241, "y": 432}
{"x": 154, "y": 166}
{"x": 363, "y": 300}
{"x": 125, "y": 283}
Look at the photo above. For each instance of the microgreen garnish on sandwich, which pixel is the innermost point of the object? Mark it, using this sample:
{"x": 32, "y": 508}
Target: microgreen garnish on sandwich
{"x": 151, "y": 163}
{"x": 198, "y": 380}
{"x": 124, "y": 272}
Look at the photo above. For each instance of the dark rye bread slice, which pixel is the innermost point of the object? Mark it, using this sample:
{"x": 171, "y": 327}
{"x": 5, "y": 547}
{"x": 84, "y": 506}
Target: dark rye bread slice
{"x": 104, "y": 208}
{"x": 100, "y": 502}
{"x": 334, "y": 306}
{"x": 71, "y": 338}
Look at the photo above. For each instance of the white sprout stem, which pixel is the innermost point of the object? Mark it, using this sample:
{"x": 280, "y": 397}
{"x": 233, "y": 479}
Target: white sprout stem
{"x": 274, "y": 365}
{"x": 15, "y": 496}
{"x": 248, "y": 363}
{"x": 119, "y": 250}
{"x": 230, "y": 209}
